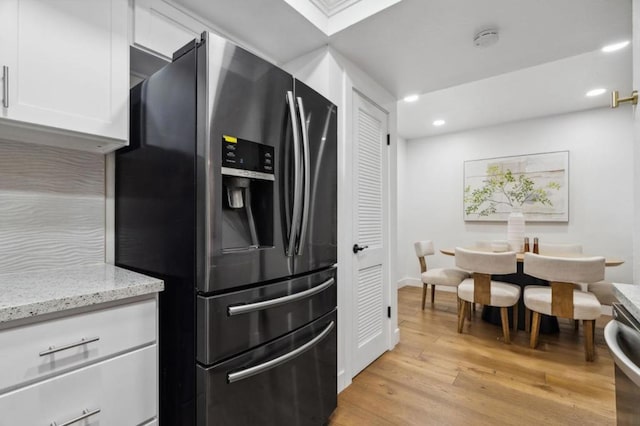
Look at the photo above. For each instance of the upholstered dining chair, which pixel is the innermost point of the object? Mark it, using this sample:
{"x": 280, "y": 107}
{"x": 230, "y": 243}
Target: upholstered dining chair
{"x": 559, "y": 249}
{"x": 482, "y": 289}
{"x": 449, "y": 277}
{"x": 561, "y": 298}
{"x": 603, "y": 290}
{"x": 552, "y": 249}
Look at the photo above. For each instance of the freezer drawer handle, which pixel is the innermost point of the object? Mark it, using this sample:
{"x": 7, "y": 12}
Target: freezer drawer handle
{"x": 85, "y": 414}
{"x": 261, "y": 368}
{"x": 83, "y": 341}
{"x": 258, "y": 306}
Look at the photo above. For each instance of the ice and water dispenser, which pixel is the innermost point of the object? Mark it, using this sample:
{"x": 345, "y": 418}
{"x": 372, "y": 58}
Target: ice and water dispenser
{"x": 247, "y": 205}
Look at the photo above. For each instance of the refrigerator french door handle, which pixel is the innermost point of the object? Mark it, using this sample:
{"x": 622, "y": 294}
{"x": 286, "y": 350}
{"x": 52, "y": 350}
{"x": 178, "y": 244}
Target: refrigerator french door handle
{"x": 261, "y": 368}
{"x": 297, "y": 207}
{"x": 307, "y": 167}
{"x": 258, "y": 306}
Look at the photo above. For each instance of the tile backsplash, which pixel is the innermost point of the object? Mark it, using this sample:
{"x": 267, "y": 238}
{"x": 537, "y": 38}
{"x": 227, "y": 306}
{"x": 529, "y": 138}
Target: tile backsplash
{"x": 52, "y": 207}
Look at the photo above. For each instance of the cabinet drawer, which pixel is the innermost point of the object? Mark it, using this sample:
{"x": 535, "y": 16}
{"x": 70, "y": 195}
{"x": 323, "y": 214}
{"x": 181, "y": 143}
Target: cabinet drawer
{"x": 117, "y": 329}
{"x": 124, "y": 389}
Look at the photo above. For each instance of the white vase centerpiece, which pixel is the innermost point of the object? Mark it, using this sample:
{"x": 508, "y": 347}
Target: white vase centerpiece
{"x": 515, "y": 230}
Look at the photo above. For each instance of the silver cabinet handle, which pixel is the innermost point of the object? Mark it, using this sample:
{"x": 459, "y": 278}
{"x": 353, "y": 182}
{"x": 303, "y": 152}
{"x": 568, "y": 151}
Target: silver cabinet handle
{"x": 307, "y": 167}
{"x": 83, "y": 341}
{"x": 295, "y": 218}
{"x": 252, "y": 307}
{"x": 261, "y": 368}
{"x": 85, "y": 414}
{"x": 5, "y": 86}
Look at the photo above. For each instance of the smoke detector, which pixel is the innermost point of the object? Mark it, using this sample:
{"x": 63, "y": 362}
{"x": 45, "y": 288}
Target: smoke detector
{"x": 486, "y": 38}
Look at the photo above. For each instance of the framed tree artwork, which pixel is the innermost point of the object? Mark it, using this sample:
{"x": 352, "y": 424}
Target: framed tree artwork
{"x": 536, "y": 184}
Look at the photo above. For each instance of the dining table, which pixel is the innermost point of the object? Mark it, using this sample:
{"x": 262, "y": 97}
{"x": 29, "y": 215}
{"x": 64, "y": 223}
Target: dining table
{"x": 548, "y": 323}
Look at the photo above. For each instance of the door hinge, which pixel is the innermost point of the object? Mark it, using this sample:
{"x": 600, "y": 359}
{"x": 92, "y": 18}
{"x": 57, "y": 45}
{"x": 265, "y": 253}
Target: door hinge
{"x": 388, "y": 139}
{"x": 388, "y": 311}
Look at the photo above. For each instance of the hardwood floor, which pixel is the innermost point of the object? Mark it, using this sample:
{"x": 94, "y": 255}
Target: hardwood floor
{"x": 436, "y": 376}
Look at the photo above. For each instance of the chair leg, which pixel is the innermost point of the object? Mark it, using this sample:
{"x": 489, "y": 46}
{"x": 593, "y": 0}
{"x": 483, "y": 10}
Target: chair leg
{"x": 469, "y": 311}
{"x": 433, "y": 292}
{"x": 461, "y": 314}
{"x": 474, "y": 306}
{"x": 527, "y": 320}
{"x": 515, "y": 318}
{"x": 589, "y": 349}
{"x": 576, "y": 325}
{"x": 424, "y": 294}
{"x": 535, "y": 330}
{"x": 504, "y": 316}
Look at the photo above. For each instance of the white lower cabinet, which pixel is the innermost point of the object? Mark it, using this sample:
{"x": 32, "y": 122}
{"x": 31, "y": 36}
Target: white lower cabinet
{"x": 119, "y": 391}
{"x": 88, "y": 368}
{"x": 36, "y": 351}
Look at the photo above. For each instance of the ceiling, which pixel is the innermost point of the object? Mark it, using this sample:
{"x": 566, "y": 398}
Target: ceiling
{"x": 552, "y": 88}
{"x": 426, "y": 47}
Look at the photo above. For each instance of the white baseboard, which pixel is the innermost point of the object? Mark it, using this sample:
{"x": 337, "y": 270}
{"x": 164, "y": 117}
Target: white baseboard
{"x": 343, "y": 381}
{"x": 415, "y": 282}
{"x": 409, "y": 281}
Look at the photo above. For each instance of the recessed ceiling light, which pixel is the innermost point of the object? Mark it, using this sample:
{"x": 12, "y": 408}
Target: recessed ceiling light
{"x": 411, "y": 98}
{"x": 616, "y": 46}
{"x": 439, "y": 123}
{"x": 596, "y": 92}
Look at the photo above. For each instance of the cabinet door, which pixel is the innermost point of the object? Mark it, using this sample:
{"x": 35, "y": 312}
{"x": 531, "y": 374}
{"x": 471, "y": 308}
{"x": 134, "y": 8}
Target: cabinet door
{"x": 68, "y": 65}
{"x": 124, "y": 390}
{"x": 102, "y": 330}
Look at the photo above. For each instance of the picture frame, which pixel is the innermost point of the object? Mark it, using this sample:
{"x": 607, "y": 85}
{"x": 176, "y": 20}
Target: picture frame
{"x": 536, "y": 184}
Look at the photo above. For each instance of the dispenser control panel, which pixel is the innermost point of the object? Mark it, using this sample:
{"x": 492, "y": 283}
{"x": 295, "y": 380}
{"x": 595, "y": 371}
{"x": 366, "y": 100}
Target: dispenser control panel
{"x": 244, "y": 158}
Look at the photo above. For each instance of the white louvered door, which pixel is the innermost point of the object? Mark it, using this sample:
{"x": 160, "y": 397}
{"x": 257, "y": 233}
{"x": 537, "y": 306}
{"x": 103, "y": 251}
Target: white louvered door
{"x": 370, "y": 283}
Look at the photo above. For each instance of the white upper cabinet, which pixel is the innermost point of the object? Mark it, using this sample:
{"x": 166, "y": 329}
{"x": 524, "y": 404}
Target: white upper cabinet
{"x": 65, "y": 72}
{"x": 161, "y": 28}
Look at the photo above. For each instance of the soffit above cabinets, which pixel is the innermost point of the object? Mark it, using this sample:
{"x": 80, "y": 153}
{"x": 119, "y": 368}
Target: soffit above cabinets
{"x": 283, "y": 29}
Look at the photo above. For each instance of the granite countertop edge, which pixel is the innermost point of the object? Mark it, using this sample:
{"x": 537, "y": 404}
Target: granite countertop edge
{"x": 629, "y": 296}
{"x": 30, "y": 294}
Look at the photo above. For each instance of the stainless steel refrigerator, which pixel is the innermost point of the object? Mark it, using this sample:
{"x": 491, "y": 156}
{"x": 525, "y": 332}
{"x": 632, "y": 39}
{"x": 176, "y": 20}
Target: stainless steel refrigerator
{"x": 227, "y": 191}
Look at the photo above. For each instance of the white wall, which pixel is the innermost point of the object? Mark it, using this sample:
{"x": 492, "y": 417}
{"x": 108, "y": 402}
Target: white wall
{"x": 402, "y": 199}
{"x": 601, "y": 195}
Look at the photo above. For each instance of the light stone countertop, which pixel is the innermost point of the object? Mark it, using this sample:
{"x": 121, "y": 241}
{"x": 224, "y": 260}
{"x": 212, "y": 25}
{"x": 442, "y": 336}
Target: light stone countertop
{"x": 28, "y": 294}
{"x": 629, "y": 296}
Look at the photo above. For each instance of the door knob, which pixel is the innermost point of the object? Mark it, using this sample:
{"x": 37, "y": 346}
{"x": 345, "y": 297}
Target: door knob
{"x": 357, "y": 248}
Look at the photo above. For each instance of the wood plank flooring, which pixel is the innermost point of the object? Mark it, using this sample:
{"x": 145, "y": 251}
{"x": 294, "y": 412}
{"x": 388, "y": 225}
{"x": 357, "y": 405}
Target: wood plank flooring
{"x": 436, "y": 376}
